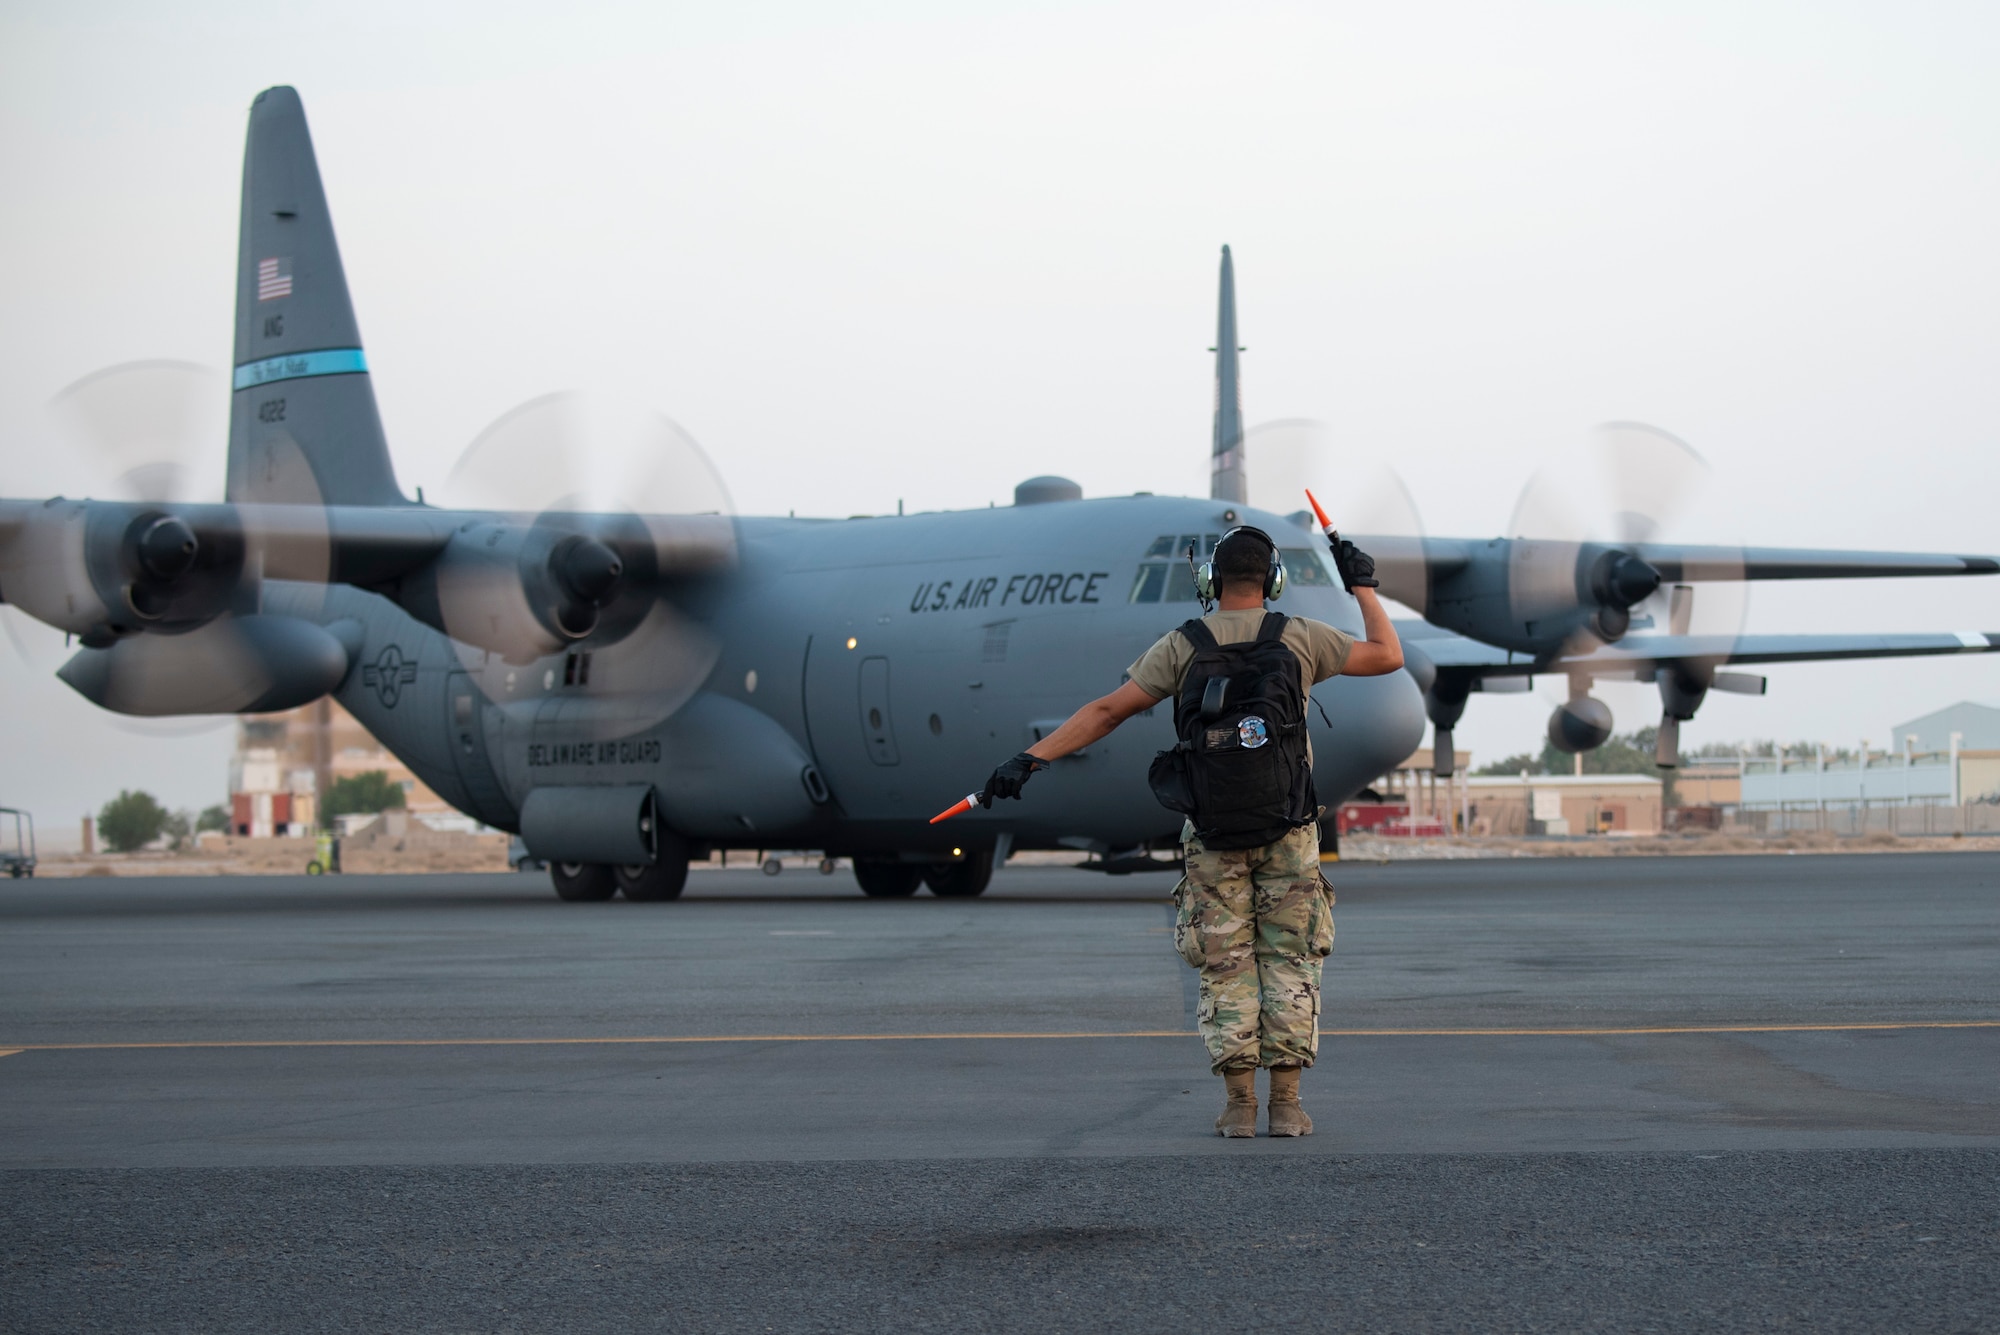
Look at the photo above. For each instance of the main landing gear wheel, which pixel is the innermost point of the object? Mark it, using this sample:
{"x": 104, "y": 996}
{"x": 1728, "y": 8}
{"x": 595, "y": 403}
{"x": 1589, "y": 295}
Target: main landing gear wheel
{"x": 960, "y": 880}
{"x": 582, "y": 882}
{"x": 888, "y": 880}
{"x": 662, "y": 879}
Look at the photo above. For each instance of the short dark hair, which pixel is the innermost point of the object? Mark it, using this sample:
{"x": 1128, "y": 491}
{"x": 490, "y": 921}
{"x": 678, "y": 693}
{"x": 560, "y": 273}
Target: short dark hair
{"x": 1244, "y": 557}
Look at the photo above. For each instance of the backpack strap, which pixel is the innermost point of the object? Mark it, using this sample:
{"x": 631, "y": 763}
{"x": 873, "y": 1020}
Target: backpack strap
{"x": 1273, "y": 627}
{"x": 1199, "y": 635}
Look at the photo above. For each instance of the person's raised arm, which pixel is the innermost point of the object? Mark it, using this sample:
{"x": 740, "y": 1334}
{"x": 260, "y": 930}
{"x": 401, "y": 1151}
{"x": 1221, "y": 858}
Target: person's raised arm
{"x": 1382, "y": 651}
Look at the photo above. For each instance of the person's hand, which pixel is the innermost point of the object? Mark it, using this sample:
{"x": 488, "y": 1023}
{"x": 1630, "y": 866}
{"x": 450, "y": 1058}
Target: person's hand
{"x": 1357, "y": 568}
{"x": 1010, "y": 778}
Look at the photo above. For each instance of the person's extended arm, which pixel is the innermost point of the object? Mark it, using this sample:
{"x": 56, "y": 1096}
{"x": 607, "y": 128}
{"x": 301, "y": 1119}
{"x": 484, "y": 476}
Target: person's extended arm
{"x": 1094, "y": 721}
{"x": 1089, "y": 724}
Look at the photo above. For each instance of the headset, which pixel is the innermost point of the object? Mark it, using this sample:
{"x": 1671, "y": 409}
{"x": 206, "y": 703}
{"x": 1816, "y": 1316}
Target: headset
{"x": 1205, "y": 587}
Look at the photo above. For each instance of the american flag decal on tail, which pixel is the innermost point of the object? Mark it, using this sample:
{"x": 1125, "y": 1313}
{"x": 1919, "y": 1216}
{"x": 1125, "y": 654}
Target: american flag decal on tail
{"x": 274, "y": 279}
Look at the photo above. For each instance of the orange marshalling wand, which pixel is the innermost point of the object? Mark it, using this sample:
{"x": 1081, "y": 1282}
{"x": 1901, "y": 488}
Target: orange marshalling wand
{"x": 1332, "y": 538}
{"x": 958, "y": 808}
{"x": 1326, "y": 525}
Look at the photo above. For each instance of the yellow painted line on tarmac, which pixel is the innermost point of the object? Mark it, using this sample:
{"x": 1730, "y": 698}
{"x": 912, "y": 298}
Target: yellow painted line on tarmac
{"x": 1605, "y": 1031}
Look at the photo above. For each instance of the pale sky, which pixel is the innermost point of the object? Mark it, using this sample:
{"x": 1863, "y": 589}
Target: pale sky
{"x": 883, "y": 251}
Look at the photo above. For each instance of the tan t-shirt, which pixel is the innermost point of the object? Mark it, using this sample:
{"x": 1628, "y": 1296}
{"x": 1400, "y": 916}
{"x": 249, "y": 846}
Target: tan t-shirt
{"x": 1321, "y": 650}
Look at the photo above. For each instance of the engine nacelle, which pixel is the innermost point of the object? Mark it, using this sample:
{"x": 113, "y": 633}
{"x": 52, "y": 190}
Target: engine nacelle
{"x": 1581, "y": 724}
{"x": 522, "y": 591}
{"x": 102, "y": 570}
{"x": 238, "y": 664}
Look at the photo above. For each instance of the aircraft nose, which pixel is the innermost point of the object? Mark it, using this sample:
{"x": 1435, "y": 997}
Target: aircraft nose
{"x": 1377, "y": 724}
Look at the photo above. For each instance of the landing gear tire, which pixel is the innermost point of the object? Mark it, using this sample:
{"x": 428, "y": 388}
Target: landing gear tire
{"x": 770, "y": 866}
{"x": 826, "y": 866}
{"x": 662, "y": 879}
{"x": 960, "y": 880}
{"x": 888, "y": 880}
{"x": 582, "y": 882}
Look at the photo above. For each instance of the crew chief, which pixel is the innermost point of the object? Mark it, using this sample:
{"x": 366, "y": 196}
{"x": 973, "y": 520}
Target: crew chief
{"x": 1256, "y": 922}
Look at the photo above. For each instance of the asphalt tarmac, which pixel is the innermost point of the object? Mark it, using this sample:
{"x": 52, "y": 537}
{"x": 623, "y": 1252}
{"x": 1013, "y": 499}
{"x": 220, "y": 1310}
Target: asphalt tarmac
{"x": 1725, "y": 1093}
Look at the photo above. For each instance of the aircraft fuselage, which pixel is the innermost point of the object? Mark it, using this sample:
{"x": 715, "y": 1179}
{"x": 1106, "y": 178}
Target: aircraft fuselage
{"x": 870, "y": 671}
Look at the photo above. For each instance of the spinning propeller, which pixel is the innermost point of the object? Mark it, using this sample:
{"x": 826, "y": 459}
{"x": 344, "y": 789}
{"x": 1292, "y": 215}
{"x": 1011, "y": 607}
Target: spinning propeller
{"x": 1369, "y": 498}
{"x": 596, "y": 531}
{"x": 1575, "y": 575}
{"x": 607, "y": 521}
{"x": 148, "y": 435}
{"x": 1591, "y": 516}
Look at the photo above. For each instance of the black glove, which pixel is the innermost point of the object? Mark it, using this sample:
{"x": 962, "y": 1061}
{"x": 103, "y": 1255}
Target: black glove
{"x": 1357, "y": 568}
{"x": 1010, "y": 778}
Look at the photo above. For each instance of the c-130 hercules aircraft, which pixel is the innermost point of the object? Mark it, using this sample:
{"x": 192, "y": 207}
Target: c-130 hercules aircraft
{"x": 627, "y": 691}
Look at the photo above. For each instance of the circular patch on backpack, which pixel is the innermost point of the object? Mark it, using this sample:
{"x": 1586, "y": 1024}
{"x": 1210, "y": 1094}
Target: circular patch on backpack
{"x": 1252, "y": 733}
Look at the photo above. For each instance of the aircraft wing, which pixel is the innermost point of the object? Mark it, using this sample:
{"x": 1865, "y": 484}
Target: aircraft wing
{"x": 1683, "y": 562}
{"x": 1643, "y": 653}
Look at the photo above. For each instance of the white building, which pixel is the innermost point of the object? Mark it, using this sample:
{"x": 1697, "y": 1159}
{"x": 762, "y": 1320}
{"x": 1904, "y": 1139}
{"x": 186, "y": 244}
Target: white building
{"x": 1977, "y": 727}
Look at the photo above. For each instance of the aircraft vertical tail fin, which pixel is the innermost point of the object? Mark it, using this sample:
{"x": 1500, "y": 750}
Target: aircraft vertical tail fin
{"x": 1227, "y": 480}
{"x": 302, "y": 419}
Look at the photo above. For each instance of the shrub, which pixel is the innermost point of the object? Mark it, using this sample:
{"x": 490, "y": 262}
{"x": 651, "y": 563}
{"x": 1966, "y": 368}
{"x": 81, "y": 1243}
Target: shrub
{"x": 368, "y": 792}
{"x": 130, "y": 821}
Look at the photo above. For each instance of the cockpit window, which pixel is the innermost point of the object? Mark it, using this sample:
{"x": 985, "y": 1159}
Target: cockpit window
{"x": 1306, "y": 568}
{"x": 1165, "y": 577}
{"x": 1152, "y": 578}
{"x": 1176, "y": 548}
{"x": 1163, "y": 582}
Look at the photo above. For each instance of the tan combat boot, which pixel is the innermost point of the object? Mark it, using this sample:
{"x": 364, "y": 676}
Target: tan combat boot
{"x": 1288, "y": 1115}
{"x": 1239, "y": 1115}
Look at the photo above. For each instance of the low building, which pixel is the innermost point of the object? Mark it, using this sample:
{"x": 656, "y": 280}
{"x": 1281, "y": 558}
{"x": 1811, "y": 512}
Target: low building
{"x": 1620, "y": 804}
{"x": 1909, "y": 778}
{"x": 267, "y": 800}
{"x": 1708, "y": 782}
{"x": 284, "y": 762}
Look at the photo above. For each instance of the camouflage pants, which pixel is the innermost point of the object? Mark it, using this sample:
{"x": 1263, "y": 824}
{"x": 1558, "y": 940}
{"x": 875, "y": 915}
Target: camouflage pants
{"x": 1257, "y": 922}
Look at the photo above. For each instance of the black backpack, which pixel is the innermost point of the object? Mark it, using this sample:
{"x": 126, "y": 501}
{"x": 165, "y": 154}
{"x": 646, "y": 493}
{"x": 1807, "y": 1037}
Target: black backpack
{"x": 1240, "y": 770}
